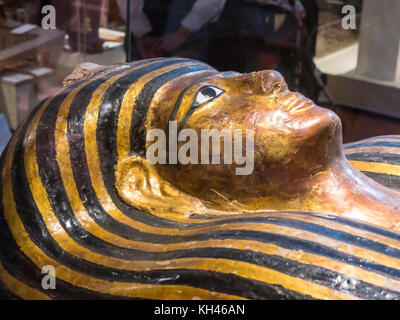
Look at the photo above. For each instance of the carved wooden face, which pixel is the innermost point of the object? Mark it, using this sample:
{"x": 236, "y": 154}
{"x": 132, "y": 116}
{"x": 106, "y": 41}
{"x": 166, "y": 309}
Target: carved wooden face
{"x": 293, "y": 138}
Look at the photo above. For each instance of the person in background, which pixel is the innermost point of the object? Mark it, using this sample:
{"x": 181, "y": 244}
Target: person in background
{"x": 237, "y": 38}
{"x": 171, "y": 27}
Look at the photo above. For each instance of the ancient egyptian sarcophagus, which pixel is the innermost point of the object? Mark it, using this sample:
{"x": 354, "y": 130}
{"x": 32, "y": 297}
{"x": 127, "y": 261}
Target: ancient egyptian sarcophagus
{"x": 312, "y": 219}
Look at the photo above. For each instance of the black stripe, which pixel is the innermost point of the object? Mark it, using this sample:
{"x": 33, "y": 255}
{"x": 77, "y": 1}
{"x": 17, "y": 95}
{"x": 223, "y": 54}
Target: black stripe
{"x": 390, "y": 158}
{"x": 387, "y": 180}
{"x": 138, "y": 134}
{"x": 333, "y": 234}
{"x": 226, "y": 283}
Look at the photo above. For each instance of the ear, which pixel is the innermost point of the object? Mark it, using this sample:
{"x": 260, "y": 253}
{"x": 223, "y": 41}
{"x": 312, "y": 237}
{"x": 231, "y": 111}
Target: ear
{"x": 139, "y": 185}
{"x": 82, "y": 71}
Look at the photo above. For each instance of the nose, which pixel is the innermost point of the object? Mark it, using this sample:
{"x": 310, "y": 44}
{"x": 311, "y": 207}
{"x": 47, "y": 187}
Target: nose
{"x": 270, "y": 80}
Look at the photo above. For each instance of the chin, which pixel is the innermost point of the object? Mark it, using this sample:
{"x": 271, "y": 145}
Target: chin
{"x": 327, "y": 134}
{"x": 321, "y": 120}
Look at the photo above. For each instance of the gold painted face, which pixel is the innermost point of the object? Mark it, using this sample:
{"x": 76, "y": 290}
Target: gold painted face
{"x": 299, "y": 163}
{"x": 293, "y": 138}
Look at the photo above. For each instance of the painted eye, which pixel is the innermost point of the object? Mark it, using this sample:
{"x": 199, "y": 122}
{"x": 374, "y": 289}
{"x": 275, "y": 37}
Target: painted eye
{"x": 206, "y": 94}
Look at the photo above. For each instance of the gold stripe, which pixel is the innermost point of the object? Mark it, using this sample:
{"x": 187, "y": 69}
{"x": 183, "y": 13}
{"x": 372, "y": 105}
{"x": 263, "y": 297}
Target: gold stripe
{"x": 377, "y": 167}
{"x": 69, "y": 183}
{"x": 19, "y": 288}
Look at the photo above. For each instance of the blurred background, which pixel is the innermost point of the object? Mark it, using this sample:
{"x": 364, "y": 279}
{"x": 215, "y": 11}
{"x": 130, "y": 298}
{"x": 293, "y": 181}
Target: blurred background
{"x": 348, "y": 61}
